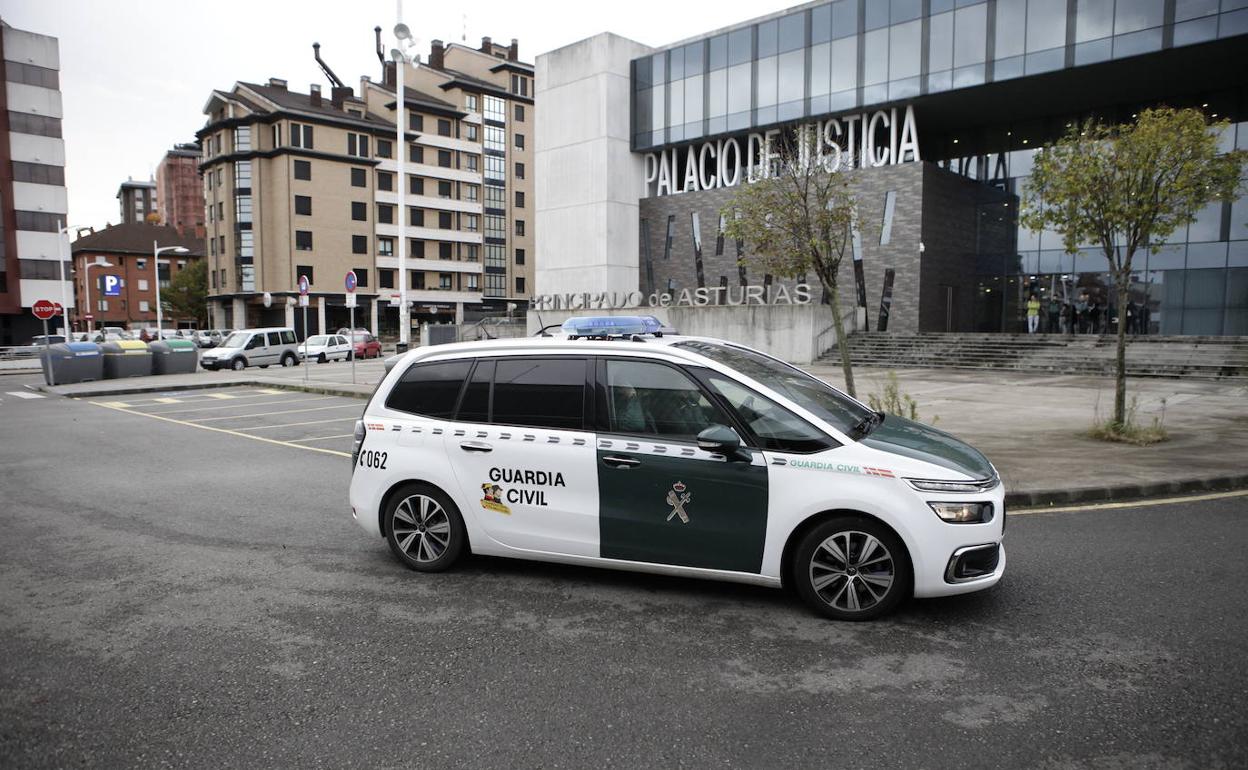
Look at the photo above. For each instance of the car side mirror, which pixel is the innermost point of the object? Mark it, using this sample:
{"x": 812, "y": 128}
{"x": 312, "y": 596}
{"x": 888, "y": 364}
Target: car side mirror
{"x": 723, "y": 440}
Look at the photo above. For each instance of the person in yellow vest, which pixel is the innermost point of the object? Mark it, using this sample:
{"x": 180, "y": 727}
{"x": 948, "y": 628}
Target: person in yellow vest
{"x": 1033, "y": 314}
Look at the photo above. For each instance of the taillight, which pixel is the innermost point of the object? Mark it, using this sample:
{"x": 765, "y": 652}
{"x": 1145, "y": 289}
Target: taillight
{"x": 357, "y": 443}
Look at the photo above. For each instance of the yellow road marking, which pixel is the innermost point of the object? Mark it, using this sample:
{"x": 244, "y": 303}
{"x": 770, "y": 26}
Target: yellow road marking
{"x": 334, "y": 452}
{"x": 243, "y": 406}
{"x": 167, "y": 400}
{"x": 282, "y": 411}
{"x": 310, "y": 422}
{"x": 320, "y": 438}
{"x": 1135, "y": 504}
{"x": 114, "y": 404}
{"x": 187, "y": 397}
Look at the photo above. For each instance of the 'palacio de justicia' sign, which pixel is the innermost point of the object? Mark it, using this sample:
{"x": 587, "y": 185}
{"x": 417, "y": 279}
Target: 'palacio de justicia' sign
{"x": 881, "y": 138}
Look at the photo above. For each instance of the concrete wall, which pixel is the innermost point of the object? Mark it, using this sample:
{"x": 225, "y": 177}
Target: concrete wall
{"x": 588, "y": 182}
{"x": 798, "y": 334}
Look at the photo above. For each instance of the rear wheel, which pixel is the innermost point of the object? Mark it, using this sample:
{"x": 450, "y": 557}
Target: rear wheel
{"x": 424, "y": 529}
{"x": 851, "y": 568}
{"x": 289, "y": 359}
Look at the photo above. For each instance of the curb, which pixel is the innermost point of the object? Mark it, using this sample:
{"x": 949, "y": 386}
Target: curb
{"x": 326, "y": 390}
{"x": 1040, "y": 499}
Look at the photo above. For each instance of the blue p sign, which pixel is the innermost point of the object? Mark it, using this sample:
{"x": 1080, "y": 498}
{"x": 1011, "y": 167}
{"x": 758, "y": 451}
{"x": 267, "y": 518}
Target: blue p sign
{"x": 112, "y": 285}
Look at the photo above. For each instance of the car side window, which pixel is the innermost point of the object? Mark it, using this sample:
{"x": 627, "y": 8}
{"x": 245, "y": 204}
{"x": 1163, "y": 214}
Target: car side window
{"x": 429, "y": 389}
{"x": 475, "y": 406}
{"x": 275, "y": 338}
{"x": 255, "y": 341}
{"x": 775, "y": 427}
{"x": 288, "y": 338}
{"x": 540, "y": 392}
{"x": 653, "y": 399}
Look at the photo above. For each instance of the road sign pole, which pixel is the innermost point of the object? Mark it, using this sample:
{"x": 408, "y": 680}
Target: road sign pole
{"x": 47, "y": 355}
{"x": 351, "y": 283}
{"x": 305, "y": 344}
{"x": 351, "y": 337}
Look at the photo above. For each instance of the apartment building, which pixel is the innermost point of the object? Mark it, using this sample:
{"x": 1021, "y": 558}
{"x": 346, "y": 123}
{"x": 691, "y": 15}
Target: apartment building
{"x": 288, "y": 181}
{"x": 33, "y": 202}
{"x": 179, "y": 192}
{"x": 137, "y": 200}
{"x": 125, "y": 251}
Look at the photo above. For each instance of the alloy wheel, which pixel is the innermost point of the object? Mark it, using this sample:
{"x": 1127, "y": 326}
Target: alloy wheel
{"x": 852, "y": 571}
{"x": 422, "y": 529}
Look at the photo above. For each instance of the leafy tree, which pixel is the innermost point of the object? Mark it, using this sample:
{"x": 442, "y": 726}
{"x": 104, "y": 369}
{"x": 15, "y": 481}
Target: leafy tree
{"x": 1127, "y": 188}
{"x": 798, "y": 219}
{"x": 187, "y": 295}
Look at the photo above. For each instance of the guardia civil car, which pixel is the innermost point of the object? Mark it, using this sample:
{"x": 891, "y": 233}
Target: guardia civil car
{"x": 615, "y": 445}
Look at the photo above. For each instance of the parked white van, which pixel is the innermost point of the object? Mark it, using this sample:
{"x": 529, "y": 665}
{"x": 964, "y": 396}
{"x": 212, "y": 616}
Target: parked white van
{"x": 254, "y": 347}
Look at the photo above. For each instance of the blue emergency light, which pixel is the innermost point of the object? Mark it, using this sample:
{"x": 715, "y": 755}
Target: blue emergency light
{"x": 612, "y": 326}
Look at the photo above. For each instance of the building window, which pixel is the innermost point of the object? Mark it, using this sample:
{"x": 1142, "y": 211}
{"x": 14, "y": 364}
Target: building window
{"x": 519, "y": 113}
{"x": 143, "y": 306}
{"x": 303, "y": 205}
{"x": 495, "y": 109}
{"x": 519, "y": 141}
{"x": 415, "y": 154}
{"x": 495, "y": 285}
{"x": 143, "y": 284}
{"x": 415, "y": 122}
{"x": 361, "y": 277}
{"x": 385, "y": 247}
{"x": 469, "y": 191}
{"x": 416, "y": 185}
{"x": 474, "y": 282}
{"x": 359, "y": 177}
{"x": 471, "y": 162}
{"x": 519, "y": 199}
{"x": 301, "y": 136}
{"x": 444, "y": 158}
{"x": 416, "y": 248}
{"x": 415, "y": 217}
{"x": 359, "y": 211}
{"x": 495, "y": 256}
{"x": 38, "y": 173}
{"x": 519, "y": 227}
{"x": 245, "y": 241}
{"x": 470, "y": 103}
{"x": 473, "y": 133}
{"x": 385, "y": 181}
{"x": 445, "y": 251}
{"x": 444, "y": 189}
{"x": 385, "y": 278}
{"x": 242, "y": 210}
{"x": 357, "y": 145}
{"x": 495, "y": 138}
{"x": 385, "y": 148}
{"x": 304, "y": 270}
{"x": 496, "y": 227}
{"x": 416, "y": 280}
{"x": 495, "y": 167}
{"x": 444, "y": 127}
{"x": 444, "y": 281}
{"x": 471, "y": 222}
{"x": 520, "y": 284}
{"x": 446, "y": 220}
{"x": 242, "y": 176}
{"x": 519, "y": 85}
{"x": 359, "y": 244}
{"x": 303, "y": 241}
{"x": 471, "y": 252}
{"x": 519, "y": 256}
{"x": 385, "y": 214}
{"x": 303, "y": 170}
{"x": 519, "y": 171}
{"x": 242, "y": 139}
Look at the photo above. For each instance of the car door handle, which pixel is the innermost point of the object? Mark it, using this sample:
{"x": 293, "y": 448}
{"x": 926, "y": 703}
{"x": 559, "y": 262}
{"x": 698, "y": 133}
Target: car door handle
{"x": 615, "y": 461}
{"x": 475, "y": 446}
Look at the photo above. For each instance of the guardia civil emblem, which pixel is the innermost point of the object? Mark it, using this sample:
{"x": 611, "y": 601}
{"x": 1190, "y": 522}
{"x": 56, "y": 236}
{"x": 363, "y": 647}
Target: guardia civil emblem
{"x": 677, "y": 497}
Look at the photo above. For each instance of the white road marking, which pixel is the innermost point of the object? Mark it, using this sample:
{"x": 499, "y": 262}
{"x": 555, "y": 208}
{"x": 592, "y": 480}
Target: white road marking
{"x": 319, "y": 438}
{"x": 267, "y": 414}
{"x": 310, "y": 422}
{"x": 24, "y": 394}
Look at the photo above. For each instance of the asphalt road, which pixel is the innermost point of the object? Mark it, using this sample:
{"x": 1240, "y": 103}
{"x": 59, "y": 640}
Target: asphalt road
{"x": 171, "y": 595}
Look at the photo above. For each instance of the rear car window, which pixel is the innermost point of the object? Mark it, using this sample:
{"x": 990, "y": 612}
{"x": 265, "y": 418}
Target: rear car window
{"x": 430, "y": 389}
{"x": 540, "y": 392}
{"x": 288, "y": 337}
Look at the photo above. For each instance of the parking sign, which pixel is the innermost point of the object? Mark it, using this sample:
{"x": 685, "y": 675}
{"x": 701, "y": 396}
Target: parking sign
{"x": 112, "y": 285}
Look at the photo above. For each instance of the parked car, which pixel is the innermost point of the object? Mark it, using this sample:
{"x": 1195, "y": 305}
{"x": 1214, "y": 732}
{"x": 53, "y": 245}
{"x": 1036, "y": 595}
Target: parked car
{"x": 366, "y": 345}
{"x": 204, "y": 339}
{"x": 325, "y": 347}
{"x": 254, "y": 347}
{"x": 357, "y": 330}
{"x": 40, "y": 340}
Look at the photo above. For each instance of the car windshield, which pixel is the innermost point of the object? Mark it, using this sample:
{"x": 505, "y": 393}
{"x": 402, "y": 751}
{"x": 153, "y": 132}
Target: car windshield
{"x": 319, "y": 339}
{"x": 235, "y": 340}
{"x": 816, "y": 396}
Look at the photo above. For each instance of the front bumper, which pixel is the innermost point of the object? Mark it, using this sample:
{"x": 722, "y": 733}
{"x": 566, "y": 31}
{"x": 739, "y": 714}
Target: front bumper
{"x": 952, "y": 559}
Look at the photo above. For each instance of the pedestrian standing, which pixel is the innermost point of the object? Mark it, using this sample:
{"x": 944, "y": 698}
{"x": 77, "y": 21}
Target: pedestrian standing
{"x": 1033, "y": 314}
{"x": 1065, "y": 318}
{"x": 1055, "y": 309}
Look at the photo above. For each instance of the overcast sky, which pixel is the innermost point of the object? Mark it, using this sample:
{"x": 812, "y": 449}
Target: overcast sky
{"x": 135, "y": 75}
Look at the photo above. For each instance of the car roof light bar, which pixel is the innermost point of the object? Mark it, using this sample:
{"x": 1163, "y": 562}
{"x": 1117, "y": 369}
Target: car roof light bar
{"x": 607, "y": 327}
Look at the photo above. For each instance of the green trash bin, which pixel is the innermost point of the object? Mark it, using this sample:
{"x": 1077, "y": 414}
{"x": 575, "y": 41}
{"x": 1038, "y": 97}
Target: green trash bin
{"x": 174, "y": 357}
{"x": 69, "y": 362}
{"x": 126, "y": 358}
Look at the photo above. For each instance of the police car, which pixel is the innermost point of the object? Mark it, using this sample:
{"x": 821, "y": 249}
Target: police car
{"x": 615, "y": 445}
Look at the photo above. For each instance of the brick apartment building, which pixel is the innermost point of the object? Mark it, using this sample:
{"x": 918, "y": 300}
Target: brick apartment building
{"x": 136, "y": 200}
{"x": 179, "y": 191}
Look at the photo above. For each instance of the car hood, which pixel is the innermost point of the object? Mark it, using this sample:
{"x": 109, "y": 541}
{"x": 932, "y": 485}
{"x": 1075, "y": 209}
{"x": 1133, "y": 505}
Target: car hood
{"x": 923, "y": 442}
{"x": 221, "y": 352}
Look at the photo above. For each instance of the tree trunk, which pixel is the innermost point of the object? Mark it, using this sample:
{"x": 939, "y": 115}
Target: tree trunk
{"x": 1120, "y": 373}
{"x": 841, "y": 342}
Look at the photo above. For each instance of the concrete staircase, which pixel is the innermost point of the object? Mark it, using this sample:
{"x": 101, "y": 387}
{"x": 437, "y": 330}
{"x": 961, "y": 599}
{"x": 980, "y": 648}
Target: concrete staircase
{"x": 1205, "y": 357}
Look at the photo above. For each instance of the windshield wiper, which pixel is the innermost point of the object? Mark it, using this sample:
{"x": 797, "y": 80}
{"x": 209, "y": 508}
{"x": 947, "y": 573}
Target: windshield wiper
{"x": 868, "y": 423}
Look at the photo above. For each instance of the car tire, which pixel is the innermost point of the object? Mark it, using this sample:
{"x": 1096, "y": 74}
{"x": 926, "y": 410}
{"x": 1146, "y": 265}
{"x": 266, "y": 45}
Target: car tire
{"x": 350, "y": 355}
{"x": 851, "y": 568}
{"x": 424, "y": 528}
{"x": 290, "y": 360}
{"x": 238, "y": 364}
{"x": 321, "y": 358}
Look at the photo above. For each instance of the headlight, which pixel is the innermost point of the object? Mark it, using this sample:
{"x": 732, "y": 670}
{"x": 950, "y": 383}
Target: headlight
{"x": 935, "y": 485}
{"x": 963, "y": 513}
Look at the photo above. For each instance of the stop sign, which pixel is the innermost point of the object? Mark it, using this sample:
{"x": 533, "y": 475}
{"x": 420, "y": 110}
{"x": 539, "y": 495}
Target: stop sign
{"x": 43, "y": 309}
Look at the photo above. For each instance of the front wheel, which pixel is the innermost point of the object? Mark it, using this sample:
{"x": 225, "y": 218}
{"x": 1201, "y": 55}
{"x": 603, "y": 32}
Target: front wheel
{"x": 851, "y": 568}
{"x": 424, "y": 529}
{"x": 350, "y": 356}
{"x": 320, "y": 359}
{"x": 238, "y": 364}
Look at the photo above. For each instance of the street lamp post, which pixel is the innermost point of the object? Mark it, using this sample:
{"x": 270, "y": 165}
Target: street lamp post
{"x": 86, "y": 289}
{"x": 64, "y": 232}
{"x": 157, "y": 250}
{"x": 401, "y": 58}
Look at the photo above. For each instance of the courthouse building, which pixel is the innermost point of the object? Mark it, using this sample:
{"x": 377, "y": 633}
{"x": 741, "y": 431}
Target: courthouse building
{"x": 939, "y": 106}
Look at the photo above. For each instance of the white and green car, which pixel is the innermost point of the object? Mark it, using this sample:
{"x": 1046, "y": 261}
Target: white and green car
{"x": 676, "y": 455}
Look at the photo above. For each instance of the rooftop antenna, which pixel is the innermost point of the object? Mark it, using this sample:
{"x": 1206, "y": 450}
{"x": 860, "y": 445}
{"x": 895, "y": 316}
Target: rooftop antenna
{"x": 463, "y": 35}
